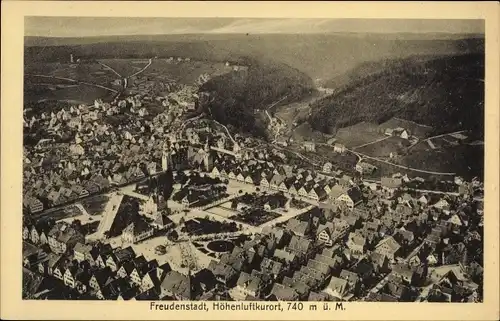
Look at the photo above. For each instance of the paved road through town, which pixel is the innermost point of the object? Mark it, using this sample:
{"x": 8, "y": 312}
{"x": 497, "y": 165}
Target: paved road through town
{"x": 109, "y": 215}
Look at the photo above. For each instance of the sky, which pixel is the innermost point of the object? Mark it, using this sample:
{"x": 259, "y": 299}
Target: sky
{"x": 114, "y": 26}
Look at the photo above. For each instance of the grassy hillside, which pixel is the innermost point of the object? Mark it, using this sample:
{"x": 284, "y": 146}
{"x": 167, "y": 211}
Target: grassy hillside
{"x": 446, "y": 93}
{"x": 235, "y": 96}
{"x": 321, "y": 56}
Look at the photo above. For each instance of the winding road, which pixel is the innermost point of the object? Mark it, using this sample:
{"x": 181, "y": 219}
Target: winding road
{"x": 227, "y": 131}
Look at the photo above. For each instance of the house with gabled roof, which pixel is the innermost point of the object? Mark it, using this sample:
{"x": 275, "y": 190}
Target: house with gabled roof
{"x": 388, "y": 247}
{"x": 59, "y": 269}
{"x": 333, "y": 262}
{"x": 137, "y": 231}
{"x": 69, "y": 277}
{"x": 286, "y": 256}
{"x": 317, "y": 193}
{"x": 178, "y": 286}
{"x": 141, "y": 268}
{"x": 32, "y": 258}
{"x": 46, "y": 267}
{"x": 338, "y": 288}
{"x": 119, "y": 256}
{"x": 352, "y": 279}
{"x": 324, "y": 233}
{"x": 81, "y": 251}
{"x": 82, "y": 279}
{"x": 271, "y": 267}
{"x": 224, "y": 273}
{"x": 298, "y": 227}
{"x": 150, "y": 280}
{"x": 250, "y": 284}
{"x": 101, "y": 278}
{"x": 404, "y": 273}
{"x": 346, "y": 196}
{"x": 301, "y": 246}
{"x": 126, "y": 269}
{"x": 94, "y": 256}
{"x": 390, "y": 184}
{"x": 299, "y": 286}
{"x": 319, "y": 266}
{"x": 356, "y": 243}
{"x": 63, "y": 237}
{"x": 283, "y": 293}
{"x": 113, "y": 290}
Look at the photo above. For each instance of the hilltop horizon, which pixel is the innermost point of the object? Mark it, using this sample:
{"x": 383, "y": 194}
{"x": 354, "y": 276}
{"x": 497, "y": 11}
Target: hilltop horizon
{"x": 67, "y": 27}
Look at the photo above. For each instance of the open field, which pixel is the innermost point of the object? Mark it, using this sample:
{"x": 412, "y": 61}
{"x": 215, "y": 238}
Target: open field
{"x": 185, "y": 72}
{"x": 385, "y": 147}
{"x": 415, "y": 129}
{"x": 89, "y": 71}
{"x": 64, "y": 91}
{"x": 359, "y": 134}
{"x": 124, "y": 67}
{"x": 464, "y": 160}
{"x": 346, "y": 160}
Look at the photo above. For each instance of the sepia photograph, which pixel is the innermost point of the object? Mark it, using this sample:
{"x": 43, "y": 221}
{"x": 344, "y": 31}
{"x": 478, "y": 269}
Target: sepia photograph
{"x": 196, "y": 159}
{"x": 252, "y": 163}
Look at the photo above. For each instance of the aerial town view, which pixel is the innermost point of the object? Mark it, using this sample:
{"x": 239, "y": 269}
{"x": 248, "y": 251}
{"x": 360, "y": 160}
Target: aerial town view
{"x": 253, "y": 160}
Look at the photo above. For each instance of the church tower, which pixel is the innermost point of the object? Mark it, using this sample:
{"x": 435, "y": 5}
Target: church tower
{"x": 165, "y": 157}
{"x": 206, "y": 147}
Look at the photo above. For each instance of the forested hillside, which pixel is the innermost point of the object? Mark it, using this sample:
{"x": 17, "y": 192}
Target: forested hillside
{"x": 235, "y": 96}
{"x": 446, "y": 93}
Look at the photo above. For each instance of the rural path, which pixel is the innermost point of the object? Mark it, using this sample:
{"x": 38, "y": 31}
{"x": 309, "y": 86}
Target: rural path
{"x": 227, "y": 131}
{"x": 363, "y": 156}
{"x": 109, "y": 68}
{"x": 74, "y": 81}
{"x": 183, "y": 125}
{"x": 143, "y": 69}
{"x": 370, "y": 143}
{"x": 429, "y": 139}
{"x": 446, "y": 134}
{"x": 276, "y": 102}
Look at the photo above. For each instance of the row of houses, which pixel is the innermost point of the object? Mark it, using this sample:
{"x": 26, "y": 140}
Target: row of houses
{"x": 101, "y": 272}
